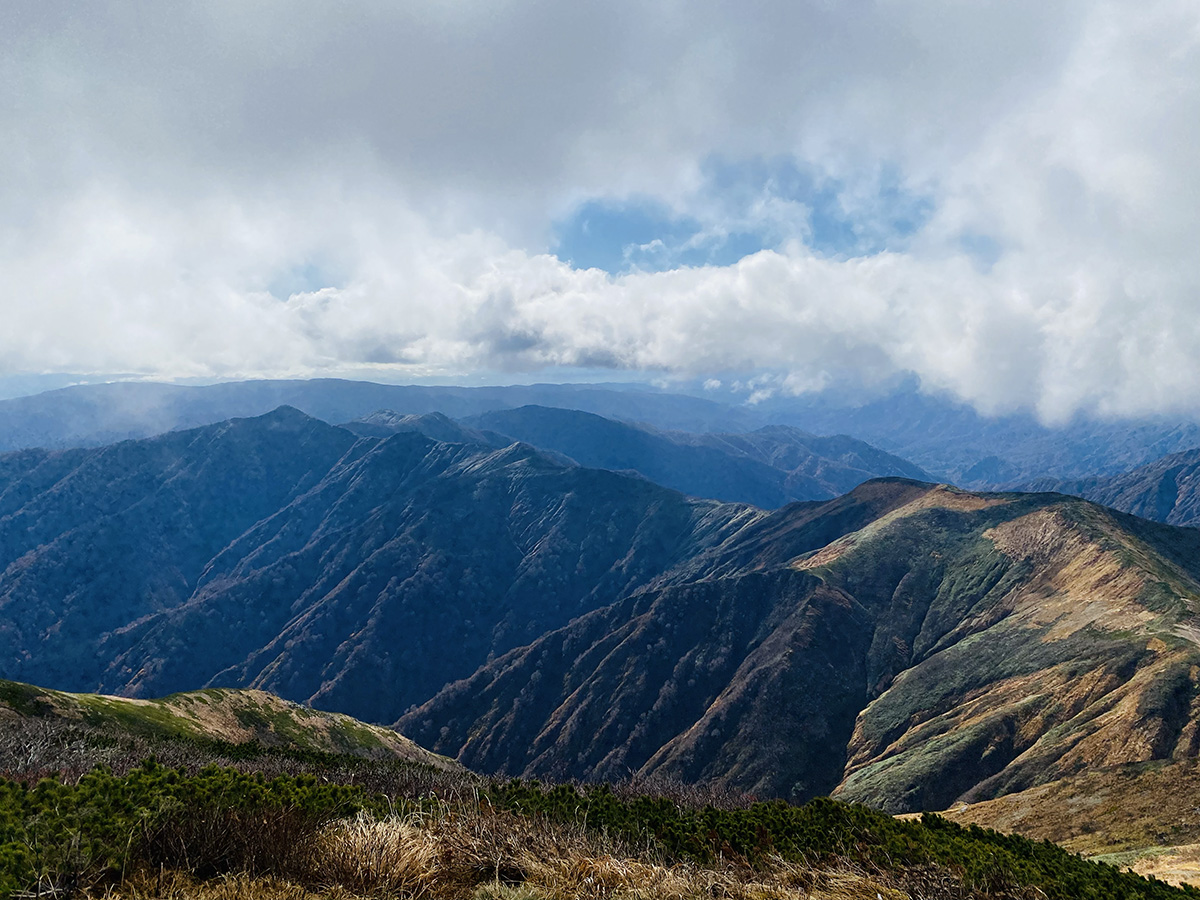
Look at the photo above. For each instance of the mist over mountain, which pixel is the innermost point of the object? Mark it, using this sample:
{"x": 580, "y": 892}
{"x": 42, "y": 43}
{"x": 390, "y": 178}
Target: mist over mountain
{"x": 960, "y": 445}
{"x": 97, "y": 414}
{"x": 946, "y": 439}
{"x": 879, "y": 474}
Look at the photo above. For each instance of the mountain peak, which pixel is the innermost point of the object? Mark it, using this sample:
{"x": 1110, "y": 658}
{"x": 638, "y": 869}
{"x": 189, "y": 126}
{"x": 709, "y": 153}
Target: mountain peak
{"x": 283, "y": 417}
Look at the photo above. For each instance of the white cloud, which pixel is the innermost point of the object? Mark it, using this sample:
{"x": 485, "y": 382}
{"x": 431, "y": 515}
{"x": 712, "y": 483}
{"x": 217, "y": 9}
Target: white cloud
{"x": 164, "y": 166}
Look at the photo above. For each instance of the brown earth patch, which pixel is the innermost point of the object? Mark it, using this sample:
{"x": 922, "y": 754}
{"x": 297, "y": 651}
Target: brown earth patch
{"x": 1107, "y": 811}
{"x": 1176, "y": 865}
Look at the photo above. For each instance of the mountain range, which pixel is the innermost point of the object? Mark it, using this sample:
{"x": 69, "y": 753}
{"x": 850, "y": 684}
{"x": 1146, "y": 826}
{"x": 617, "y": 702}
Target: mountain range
{"x": 1166, "y": 490}
{"x": 906, "y": 644}
{"x": 297, "y": 556}
{"x": 980, "y": 450}
{"x": 99, "y": 414}
{"x": 768, "y": 467}
{"x": 943, "y": 436}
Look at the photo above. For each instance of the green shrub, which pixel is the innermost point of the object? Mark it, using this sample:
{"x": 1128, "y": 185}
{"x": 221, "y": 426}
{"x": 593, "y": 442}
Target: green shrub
{"x": 62, "y": 836}
{"x": 824, "y": 830}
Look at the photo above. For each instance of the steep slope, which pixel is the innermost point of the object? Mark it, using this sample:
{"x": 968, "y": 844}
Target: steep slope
{"x": 324, "y": 567}
{"x": 952, "y": 645}
{"x": 905, "y": 644}
{"x": 92, "y": 541}
{"x": 767, "y": 468}
{"x": 1166, "y": 490}
{"x": 229, "y": 716}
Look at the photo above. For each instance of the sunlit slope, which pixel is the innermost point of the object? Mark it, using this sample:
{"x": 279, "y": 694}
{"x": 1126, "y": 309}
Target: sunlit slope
{"x": 904, "y": 646}
{"x": 224, "y": 715}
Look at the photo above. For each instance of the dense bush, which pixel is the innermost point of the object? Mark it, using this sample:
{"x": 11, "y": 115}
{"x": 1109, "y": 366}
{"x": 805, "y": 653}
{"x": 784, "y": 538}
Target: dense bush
{"x": 824, "y": 830}
{"x": 63, "y": 836}
{"x": 66, "y": 835}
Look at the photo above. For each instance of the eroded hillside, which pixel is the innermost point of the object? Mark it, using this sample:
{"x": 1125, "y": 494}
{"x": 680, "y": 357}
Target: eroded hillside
{"x": 953, "y": 645}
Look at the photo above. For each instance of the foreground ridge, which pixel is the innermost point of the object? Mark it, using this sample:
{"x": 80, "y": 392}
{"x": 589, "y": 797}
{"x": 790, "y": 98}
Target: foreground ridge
{"x": 157, "y": 831}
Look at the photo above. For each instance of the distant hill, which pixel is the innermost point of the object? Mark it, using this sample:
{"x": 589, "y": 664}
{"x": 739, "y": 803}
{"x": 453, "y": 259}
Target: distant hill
{"x": 972, "y": 450}
{"x": 99, "y": 414}
{"x": 228, "y": 716}
{"x": 768, "y": 467}
{"x": 1166, "y": 490}
{"x": 948, "y": 439}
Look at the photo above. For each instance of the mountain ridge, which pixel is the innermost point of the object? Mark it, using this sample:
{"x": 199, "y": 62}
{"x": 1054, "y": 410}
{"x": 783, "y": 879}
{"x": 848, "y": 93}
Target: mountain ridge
{"x": 946, "y": 437}
{"x": 769, "y": 467}
{"x": 1164, "y": 490}
{"x": 906, "y": 644}
{"x": 911, "y": 713}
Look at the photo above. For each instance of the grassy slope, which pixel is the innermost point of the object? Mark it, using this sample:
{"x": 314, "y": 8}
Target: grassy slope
{"x": 1067, "y": 645}
{"x": 1143, "y": 815}
{"x": 231, "y": 716}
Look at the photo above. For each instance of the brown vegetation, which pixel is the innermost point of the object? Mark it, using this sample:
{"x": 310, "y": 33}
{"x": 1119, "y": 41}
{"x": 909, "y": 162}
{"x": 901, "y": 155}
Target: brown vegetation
{"x": 490, "y": 855}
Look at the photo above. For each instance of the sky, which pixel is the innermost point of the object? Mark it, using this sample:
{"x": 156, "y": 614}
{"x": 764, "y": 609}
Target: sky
{"x": 998, "y": 199}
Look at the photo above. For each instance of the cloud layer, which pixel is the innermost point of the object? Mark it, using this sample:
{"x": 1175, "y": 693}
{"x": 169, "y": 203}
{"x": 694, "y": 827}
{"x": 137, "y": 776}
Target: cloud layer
{"x": 293, "y": 189}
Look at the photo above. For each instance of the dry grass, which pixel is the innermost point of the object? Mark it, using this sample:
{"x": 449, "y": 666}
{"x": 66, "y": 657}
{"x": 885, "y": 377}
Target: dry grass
{"x": 495, "y": 855}
{"x": 489, "y": 855}
{"x": 1101, "y": 811}
{"x": 1143, "y": 817}
{"x": 179, "y": 886}
{"x": 1174, "y": 865}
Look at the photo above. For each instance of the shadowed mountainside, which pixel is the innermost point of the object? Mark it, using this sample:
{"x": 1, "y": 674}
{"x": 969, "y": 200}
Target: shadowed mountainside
{"x": 284, "y": 553}
{"x": 1166, "y": 490}
{"x": 767, "y": 468}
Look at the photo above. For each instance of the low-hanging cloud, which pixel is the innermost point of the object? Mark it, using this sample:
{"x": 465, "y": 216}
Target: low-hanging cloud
{"x": 171, "y": 168}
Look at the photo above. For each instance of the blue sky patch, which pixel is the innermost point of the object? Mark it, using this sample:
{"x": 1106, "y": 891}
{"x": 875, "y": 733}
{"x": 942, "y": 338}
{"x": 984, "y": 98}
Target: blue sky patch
{"x": 302, "y": 278}
{"x": 984, "y": 251}
{"x": 643, "y": 234}
{"x": 744, "y": 206}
